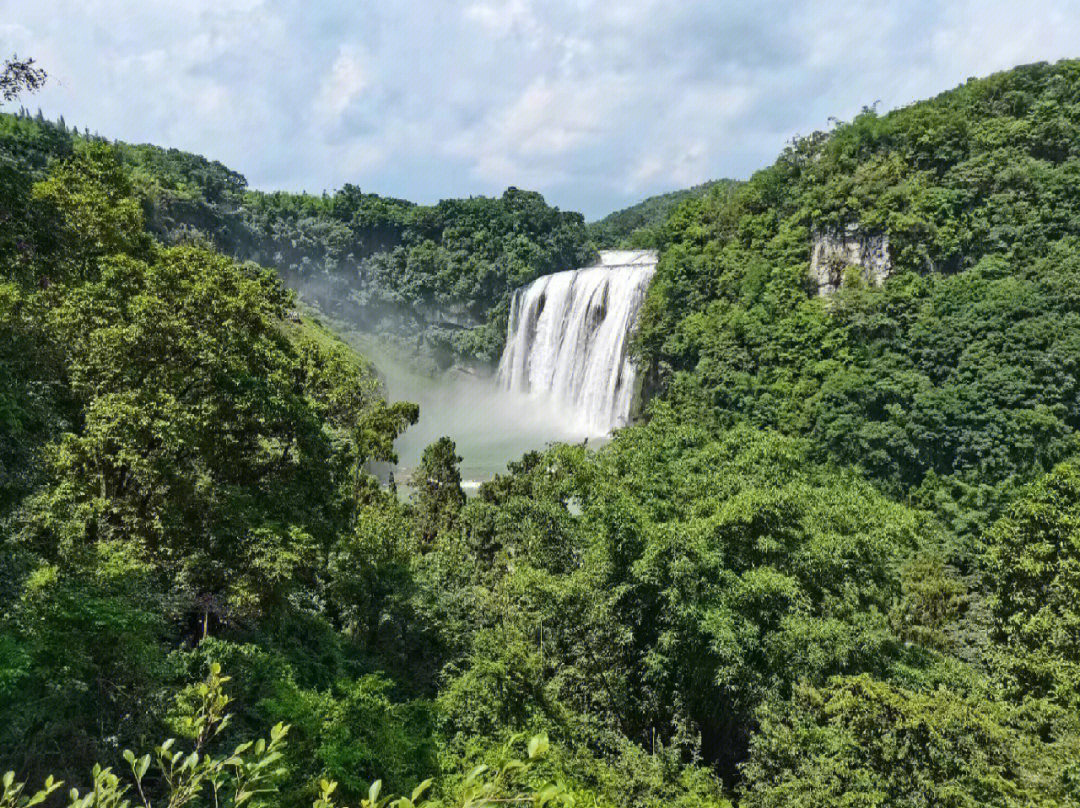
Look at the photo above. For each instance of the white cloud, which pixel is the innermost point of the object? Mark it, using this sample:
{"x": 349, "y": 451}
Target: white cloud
{"x": 347, "y": 80}
{"x": 13, "y": 32}
{"x": 531, "y": 140}
{"x": 552, "y": 118}
{"x": 680, "y": 164}
{"x": 592, "y": 102}
{"x": 501, "y": 18}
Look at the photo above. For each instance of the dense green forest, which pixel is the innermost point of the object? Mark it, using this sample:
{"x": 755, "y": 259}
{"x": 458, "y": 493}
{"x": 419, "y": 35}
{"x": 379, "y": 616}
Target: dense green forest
{"x": 954, "y": 382}
{"x": 640, "y": 226}
{"x": 835, "y": 566}
{"x": 436, "y": 279}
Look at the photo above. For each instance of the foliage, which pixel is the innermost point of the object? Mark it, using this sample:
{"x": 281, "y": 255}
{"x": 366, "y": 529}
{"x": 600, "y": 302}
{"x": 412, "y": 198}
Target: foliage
{"x": 251, "y": 772}
{"x": 20, "y": 76}
{"x": 670, "y": 613}
{"x": 191, "y": 456}
{"x": 437, "y": 277}
{"x": 1033, "y": 574}
{"x": 437, "y": 493}
{"x": 972, "y": 338}
{"x": 641, "y": 226}
{"x": 863, "y": 742}
{"x": 831, "y": 568}
{"x": 180, "y": 778}
{"x": 469, "y": 256}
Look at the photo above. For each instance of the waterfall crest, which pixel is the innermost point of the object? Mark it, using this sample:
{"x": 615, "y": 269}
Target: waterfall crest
{"x": 568, "y": 335}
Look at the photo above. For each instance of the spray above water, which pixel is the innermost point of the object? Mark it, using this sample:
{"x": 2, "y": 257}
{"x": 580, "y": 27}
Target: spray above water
{"x": 568, "y": 338}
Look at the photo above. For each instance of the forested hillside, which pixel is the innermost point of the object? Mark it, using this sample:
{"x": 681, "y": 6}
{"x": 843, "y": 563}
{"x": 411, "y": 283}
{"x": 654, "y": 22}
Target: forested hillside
{"x": 435, "y": 278}
{"x": 639, "y": 226}
{"x": 956, "y": 379}
{"x": 836, "y": 566}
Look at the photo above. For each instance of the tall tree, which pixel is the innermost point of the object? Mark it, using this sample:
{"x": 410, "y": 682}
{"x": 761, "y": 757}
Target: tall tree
{"x": 437, "y": 492}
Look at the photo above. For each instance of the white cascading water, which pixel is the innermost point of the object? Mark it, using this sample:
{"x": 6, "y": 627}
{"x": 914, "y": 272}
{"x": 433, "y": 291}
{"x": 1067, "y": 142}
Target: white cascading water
{"x": 568, "y": 336}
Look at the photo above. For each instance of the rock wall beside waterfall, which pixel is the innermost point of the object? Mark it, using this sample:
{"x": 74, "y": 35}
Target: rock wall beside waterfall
{"x": 834, "y": 253}
{"x": 568, "y": 339}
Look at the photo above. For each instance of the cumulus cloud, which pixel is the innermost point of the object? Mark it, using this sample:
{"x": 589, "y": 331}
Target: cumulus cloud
{"x": 348, "y": 78}
{"x": 501, "y": 18}
{"x": 594, "y": 103}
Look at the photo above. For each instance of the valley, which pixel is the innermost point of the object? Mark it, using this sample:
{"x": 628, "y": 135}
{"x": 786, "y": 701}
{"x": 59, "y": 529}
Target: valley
{"x": 757, "y": 494}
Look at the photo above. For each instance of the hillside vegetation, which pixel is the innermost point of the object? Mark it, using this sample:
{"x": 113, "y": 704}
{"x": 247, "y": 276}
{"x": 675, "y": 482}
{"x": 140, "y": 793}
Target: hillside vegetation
{"x": 835, "y": 567}
{"x": 639, "y": 226}
{"x": 437, "y": 279}
{"x": 956, "y": 379}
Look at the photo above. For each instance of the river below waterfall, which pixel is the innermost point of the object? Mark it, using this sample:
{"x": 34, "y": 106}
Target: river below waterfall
{"x": 490, "y": 427}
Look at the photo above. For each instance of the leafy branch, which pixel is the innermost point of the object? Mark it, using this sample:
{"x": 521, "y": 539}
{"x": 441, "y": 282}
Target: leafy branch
{"x": 251, "y": 771}
{"x": 20, "y": 75}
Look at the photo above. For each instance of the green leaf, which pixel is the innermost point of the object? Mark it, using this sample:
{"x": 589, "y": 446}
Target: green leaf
{"x": 40, "y": 797}
{"x": 547, "y": 794}
{"x": 373, "y": 792}
{"x": 418, "y": 792}
{"x": 476, "y": 773}
{"x": 538, "y": 746}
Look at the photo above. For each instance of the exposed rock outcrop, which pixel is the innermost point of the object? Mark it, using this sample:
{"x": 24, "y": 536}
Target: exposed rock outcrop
{"x": 835, "y": 253}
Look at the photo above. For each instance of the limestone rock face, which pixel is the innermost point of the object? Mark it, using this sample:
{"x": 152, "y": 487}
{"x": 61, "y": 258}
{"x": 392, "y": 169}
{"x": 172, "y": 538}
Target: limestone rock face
{"x": 835, "y": 253}
{"x": 449, "y": 315}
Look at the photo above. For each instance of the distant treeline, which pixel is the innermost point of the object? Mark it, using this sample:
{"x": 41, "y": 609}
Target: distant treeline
{"x": 640, "y": 226}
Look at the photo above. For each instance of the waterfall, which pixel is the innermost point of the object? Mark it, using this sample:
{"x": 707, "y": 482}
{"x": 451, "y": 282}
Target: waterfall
{"x": 567, "y": 339}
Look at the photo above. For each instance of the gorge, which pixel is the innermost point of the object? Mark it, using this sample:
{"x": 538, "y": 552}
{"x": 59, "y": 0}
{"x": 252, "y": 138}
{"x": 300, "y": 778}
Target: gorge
{"x": 831, "y": 563}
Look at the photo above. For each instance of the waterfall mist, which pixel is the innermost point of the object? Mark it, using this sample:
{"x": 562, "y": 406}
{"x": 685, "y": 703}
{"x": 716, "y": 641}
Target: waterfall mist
{"x": 490, "y": 426}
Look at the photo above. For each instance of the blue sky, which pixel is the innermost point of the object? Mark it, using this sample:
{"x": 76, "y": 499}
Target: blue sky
{"x": 595, "y": 104}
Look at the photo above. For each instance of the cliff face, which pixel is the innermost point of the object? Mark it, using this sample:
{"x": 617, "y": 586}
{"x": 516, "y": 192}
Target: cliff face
{"x": 835, "y": 254}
